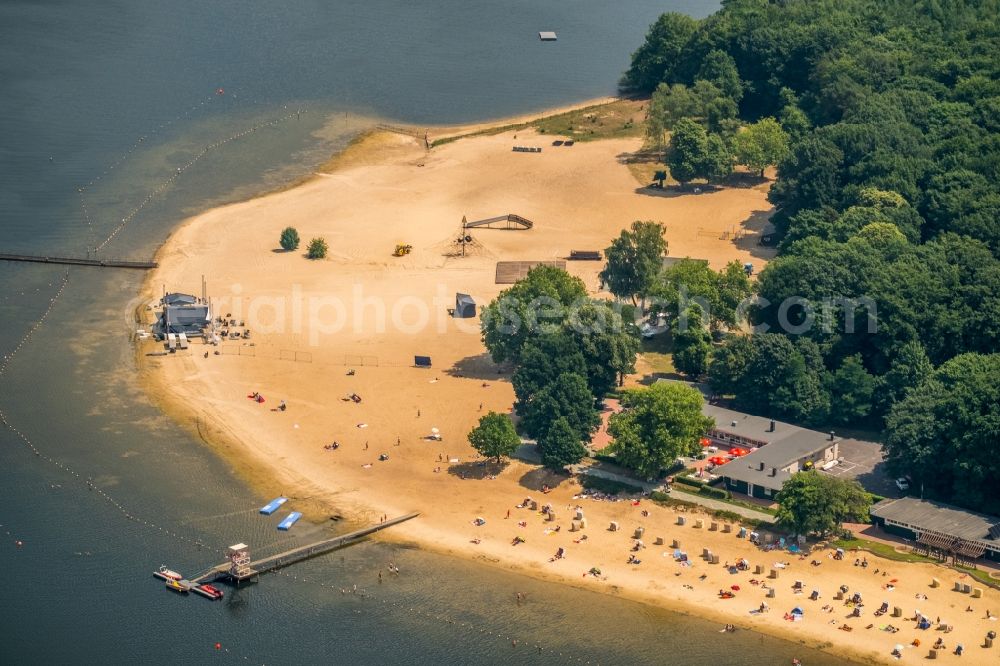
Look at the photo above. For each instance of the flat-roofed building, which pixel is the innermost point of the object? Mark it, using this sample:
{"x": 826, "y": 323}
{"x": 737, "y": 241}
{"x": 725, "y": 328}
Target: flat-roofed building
{"x": 778, "y": 450}
{"x": 940, "y": 528}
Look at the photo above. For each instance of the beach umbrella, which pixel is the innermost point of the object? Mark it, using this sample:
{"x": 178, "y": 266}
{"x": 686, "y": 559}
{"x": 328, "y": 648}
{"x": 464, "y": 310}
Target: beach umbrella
{"x": 705, "y": 442}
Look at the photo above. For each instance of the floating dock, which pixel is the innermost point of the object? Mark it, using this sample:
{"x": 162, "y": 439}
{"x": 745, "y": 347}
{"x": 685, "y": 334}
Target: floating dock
{"x": 273, "y": 505}
{"x": 547, "y": 36}
{"x": 290, "y": 520}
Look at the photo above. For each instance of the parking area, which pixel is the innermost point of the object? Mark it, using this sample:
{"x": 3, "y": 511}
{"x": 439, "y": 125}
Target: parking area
{"x": 863, "y": 461}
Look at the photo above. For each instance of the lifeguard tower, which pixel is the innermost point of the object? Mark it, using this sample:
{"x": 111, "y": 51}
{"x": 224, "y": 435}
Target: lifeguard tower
{"x": 239, "y": 559}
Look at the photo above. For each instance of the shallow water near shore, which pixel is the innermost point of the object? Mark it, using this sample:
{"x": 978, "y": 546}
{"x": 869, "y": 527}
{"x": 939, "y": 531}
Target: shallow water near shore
{"x": 132, "y": 116}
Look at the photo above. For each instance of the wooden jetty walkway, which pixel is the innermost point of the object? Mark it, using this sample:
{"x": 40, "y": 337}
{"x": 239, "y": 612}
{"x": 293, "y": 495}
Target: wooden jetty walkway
{"x": 79, "y": 261}
{"x": 298, "y": 554}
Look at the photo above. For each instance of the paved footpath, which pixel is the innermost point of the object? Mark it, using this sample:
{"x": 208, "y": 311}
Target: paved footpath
{"x": 679, "y": 493}
{"x": 717, "y": 505}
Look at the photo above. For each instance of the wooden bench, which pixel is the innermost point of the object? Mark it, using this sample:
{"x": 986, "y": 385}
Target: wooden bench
{"x": 585, "y": 255}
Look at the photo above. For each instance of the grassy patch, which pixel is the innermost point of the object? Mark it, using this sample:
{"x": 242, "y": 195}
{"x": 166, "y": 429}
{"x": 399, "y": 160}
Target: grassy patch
{"x": 881, "y": 549}
{"x": 622, "y": 118}
{"x": 980, "y": 575}
{"x": 660, "y": 363}
{"x": 735, "y": 502}
{"x": 663, "y": 499}
{"x": 658, "y": 353}
{"x": 609, "y": 486}
{"x": 670, "y": 500}
{"x": 618, "y": 120}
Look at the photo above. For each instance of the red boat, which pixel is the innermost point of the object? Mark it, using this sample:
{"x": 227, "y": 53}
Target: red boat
{"x": 208, "y": 591}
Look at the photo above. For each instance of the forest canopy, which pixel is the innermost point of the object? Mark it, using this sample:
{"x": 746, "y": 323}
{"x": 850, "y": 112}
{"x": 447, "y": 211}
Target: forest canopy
{"x": 887, "y": 203}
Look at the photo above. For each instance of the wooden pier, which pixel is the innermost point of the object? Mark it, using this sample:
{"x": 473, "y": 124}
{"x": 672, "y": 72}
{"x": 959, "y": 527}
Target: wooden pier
{"x": 298, "y": 554}
{"x": 79, "y": 261}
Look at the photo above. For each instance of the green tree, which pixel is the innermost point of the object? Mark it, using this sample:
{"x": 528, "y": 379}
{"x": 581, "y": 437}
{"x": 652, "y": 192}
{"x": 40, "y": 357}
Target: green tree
{"x": 691, "y": 356}
{"x": 810, "y": 177}
{"x": 560, "y": 445}
{"x": 718, "y": 162}
{"x": 656, "y": 60}
{"x": 692, "y": 342}
{"x": 544, "y": 357}
{"x": 656, "y": 426}
{"x": 761, "y": 145}
{"x": 815, "y": 503}
{"x": 669, "y": 104}
{"x": 687, "y": 150}
{"x": 634, "y": 259}
{"x": 289, "y": 239}
{"x": 567, "y": 396}
{"x": 716, "y": 108}
{"x": 733, "y": 288}
{"x": 728, "y": 371}
{"x": 769, "y": 373}
{"x": 694, "y": 153}
{"x": 608, "y": 341}
{"x": 719, "y": 294}
{"x": 964, "y": 202}
{"x": 719, "y": 68}
{"x": 539, "y": 302}
{"x": 851, "y": 388}
{"x": 909, "y": 369}
{"x": 683, "y": 282}
{"x": 495, "y": 436}
{"x": 945, "y": 433}
{"x": 317, "y": 248}
{"x": 793, "y": 118}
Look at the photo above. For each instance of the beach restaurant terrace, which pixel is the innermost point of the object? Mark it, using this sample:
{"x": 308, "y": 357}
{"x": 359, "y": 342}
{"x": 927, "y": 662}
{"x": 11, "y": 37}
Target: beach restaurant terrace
{"x": 781, "y": 449}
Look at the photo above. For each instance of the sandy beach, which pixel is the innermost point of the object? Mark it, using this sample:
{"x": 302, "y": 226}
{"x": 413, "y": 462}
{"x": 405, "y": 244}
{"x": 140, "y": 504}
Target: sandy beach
{"x": 363, "y": 310}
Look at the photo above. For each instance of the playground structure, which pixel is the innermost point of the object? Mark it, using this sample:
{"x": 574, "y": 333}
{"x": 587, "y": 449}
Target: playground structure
{"x": 510, "y": 221}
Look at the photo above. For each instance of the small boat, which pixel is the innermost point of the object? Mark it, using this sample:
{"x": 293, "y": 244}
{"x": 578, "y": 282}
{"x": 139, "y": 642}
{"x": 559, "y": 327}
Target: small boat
{"x": 208, "y": 591}
{"x": 177, "y": 586}
{"x": 163, "y": 573}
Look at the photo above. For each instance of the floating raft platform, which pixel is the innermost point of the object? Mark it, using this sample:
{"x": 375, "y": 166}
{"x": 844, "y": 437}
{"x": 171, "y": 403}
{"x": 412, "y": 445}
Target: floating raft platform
{"x": 547, "y": 36}
{"x": 290, "y": 520}
{"x": 273, "y": 505}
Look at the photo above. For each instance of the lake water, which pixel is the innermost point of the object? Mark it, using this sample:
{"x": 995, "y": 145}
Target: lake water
{"x": 134, "y": 115}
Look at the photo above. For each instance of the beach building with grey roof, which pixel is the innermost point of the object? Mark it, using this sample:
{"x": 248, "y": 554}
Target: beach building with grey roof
{"x": 782, "y": 449}
{"x": 943, "y": 527}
